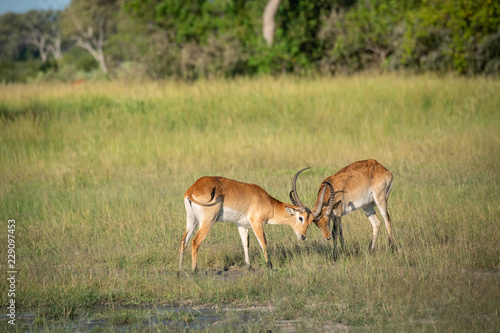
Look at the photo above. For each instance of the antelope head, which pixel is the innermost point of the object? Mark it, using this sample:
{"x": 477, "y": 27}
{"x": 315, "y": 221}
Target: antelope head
{"x": 318, "y": 218}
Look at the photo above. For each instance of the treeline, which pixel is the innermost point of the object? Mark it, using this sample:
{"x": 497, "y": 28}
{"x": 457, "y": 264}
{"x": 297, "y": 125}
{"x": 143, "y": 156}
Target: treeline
{"x": 193, "y": 39}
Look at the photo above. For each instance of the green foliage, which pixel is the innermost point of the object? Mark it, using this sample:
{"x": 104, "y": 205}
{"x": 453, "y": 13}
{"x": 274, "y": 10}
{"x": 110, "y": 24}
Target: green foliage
{"x": 13, "y": 47}
{"x": 189, "y": 21}
{"x": 218, "y": 39}
{"x": 332, "y": 37}
{"x": 91, "y": 13}
{"x": 80, "y": 60}
{"x": 452, "y": 35}
{"x": 195, "y": 39}
{"x": 123, "y": 317}
{"x": 192, "y": 20}
{"x": 363, "y": 37}
{"x": 298, "y": 25}
{"x": 18, "y": 71}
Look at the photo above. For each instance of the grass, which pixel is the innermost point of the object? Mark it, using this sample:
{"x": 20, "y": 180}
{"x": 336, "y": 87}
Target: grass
{"x": 94, "y": 176}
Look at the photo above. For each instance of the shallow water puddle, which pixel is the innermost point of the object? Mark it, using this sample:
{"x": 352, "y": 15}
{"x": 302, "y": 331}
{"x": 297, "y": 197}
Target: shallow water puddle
{"x": 135, "y": 318}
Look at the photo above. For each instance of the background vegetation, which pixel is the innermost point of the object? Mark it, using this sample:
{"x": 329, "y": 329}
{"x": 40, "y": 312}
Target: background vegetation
{"x": 94, "y": 176}
{"x": 208, "y": 39}
{"x": 94, "y": 173}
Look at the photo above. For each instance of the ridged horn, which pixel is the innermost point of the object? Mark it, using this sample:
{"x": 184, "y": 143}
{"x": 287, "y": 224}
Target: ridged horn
{"x": 320, "y": 205}
{"x": 292, "y": 199}
{"x": 332, "y": 199}
{"x": 294, "y": 195}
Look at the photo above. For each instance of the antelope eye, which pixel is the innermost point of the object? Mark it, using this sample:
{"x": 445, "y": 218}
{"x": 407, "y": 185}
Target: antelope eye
{"x": 301, "y": 219}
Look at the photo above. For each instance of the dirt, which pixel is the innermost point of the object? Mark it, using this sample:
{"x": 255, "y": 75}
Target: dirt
{"x": 180, "y": 317}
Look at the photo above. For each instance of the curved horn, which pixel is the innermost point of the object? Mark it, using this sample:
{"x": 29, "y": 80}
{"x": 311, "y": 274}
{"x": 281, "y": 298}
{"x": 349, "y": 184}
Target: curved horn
{"x": 294, "y": 196}
{"x": 332, "y": 201}
{"x": 292, "y": 199}
{"x": 320, "y": 203}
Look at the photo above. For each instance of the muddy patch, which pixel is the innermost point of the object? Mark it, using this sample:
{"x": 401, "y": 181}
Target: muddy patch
{"x": 167, "y": 318}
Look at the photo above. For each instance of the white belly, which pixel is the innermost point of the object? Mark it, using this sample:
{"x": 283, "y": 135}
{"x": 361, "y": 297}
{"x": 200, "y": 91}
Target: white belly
{"x": 358, "y": 203}
{"x": 229, "y": 215}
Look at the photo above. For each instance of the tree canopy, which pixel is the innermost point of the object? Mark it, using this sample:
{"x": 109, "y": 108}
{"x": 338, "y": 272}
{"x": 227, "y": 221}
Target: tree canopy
{"x": 224, "y": 38}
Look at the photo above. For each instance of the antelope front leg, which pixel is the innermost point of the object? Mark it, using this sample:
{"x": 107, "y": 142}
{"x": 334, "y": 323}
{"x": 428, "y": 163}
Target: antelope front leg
{"x": 336, "y": 232}
{"x": 261, "y": 237}
{"x": 341, "y": 235}
{"x": 334, "y": 235}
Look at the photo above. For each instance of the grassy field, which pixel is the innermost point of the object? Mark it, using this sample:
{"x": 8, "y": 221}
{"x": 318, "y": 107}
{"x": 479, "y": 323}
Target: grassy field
{"x": 94, "y": 177}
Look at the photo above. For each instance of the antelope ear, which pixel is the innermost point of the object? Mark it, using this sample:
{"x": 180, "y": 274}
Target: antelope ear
{"x": 290, "y": 210}
{"x": 335, "y": 205}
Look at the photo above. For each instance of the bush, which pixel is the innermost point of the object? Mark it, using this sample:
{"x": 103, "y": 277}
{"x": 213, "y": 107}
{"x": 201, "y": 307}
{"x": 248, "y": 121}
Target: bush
{"x": 19, "y": 71}
{"x": 449, "y": 35}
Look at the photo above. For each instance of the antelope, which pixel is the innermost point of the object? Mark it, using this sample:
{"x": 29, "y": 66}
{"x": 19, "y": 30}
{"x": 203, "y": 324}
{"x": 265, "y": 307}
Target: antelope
{"x": 360, "y": 185}
{"x": 218, "y": 199}
{"x": 77, "y": 82}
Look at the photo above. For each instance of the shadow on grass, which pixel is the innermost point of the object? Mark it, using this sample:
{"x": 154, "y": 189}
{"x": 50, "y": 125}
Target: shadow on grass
{"x": 320, "y": 248}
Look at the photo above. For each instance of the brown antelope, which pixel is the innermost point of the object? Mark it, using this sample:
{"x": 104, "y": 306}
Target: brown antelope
{"x": 77, "y": 82}
{"x": 360, "y": 185}
{"x": 218, "y": 199}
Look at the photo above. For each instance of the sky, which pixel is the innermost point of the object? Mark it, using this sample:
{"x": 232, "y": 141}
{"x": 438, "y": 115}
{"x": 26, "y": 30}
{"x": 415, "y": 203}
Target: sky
{"x": 21, "y": 6}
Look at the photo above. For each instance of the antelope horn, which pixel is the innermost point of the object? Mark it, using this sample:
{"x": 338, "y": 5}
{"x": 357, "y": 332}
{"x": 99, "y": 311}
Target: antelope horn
{"x": 332, "y": 201}
{"x": 292, "y": 199}
{"x": 293, "y": 195}
{"x": 320, "y": 203}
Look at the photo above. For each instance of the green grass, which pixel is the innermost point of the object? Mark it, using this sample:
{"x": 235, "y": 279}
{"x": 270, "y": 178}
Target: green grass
{"x": 94, "y": 176}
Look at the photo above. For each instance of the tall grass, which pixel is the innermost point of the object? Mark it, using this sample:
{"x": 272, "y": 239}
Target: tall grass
{"x": 94, "y": 176}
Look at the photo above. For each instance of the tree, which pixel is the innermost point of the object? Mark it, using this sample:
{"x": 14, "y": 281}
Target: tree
{"x": 87, "y": 23}
{"x": 195, "y": 38}
{"x": 364, "y": 35}
{"x": 453, "y": 35}
{"x": 13, "y": 47}
{"x": 54, "y": 43}
{"x": 371, "y": 29}
{"x": 92, "y": 40}
{"x": 41, "y": 30}
{"x": 298, "y": 23}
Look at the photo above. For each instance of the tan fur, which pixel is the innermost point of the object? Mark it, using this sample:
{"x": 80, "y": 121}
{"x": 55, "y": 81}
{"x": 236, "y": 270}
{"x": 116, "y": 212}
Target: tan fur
{"x": 212, "y": 199}
{"x": 360, "y": 185}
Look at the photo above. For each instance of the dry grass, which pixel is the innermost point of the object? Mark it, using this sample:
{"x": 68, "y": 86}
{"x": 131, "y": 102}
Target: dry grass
{"x": 94, "y": 176}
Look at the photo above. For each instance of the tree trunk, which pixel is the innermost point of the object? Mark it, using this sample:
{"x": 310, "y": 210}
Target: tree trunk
{"x": 37, "y": 39}
{"x": 54, "y": 46}
{"x": 97, "y": 53}
{"x": 268, "y": 24}
{"x": 91, "y": 42}
{"x": 42, "y": 49}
